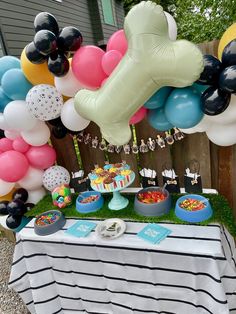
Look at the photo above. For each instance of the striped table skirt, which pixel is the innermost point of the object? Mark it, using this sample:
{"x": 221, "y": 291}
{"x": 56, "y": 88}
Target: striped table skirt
{"x": 192, "y": 271}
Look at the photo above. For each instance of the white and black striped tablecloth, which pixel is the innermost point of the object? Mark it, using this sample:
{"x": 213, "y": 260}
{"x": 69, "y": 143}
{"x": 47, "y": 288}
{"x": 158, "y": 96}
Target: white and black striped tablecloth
{"x": 192, "y": 271}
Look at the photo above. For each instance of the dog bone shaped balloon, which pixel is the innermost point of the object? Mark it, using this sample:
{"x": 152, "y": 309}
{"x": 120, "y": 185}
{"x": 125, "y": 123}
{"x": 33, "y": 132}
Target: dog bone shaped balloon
{"x": 151, "y": 62}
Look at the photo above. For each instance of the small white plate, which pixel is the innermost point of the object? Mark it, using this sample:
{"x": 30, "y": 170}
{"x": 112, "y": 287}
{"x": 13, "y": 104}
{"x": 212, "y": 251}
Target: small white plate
{"x": 111, "y": 228}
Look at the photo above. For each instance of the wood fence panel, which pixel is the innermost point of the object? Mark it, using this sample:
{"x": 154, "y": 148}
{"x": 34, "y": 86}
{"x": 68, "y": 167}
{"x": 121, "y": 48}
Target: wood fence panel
{"x": 214, "y": 165}
{"x": 225, "y": 156}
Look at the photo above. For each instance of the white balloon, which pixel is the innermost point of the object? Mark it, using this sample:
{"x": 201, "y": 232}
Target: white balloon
{"x": 36, "y": 195}
{"x": 37, "y": 136}
{"x": 202, "y": 126}
{"x": 68, "y": 85}
{"x": 32, "y": 180}
{"x": 222, "y": 135}
{"x": 3, "y": 123}
{"x": 71, "y": 119}
{"x": 228, "y": 116}
{"x": 18, "y": 117}
{"x": 44, "y": 102}
{"x": 5, "y": 187}
{"x": 11, "y": 134}
{"x": 55, "y": 176}
{"x": 172, "y": 26}
{"x": 188, "y": 131}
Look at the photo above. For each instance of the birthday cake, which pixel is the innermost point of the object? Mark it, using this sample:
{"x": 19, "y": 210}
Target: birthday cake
{"x": 111, "y": 176}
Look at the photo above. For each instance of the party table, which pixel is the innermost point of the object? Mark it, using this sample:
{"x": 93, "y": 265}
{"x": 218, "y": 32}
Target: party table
{"x": 192, "y": 271}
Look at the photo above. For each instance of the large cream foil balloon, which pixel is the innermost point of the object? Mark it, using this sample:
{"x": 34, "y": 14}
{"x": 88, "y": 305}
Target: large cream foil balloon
{"x": 152, "y": 61}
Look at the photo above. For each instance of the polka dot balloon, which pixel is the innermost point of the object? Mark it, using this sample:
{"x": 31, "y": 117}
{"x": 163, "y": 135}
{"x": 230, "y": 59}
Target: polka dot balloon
{"x": 55, "y": 176}
{"x": 44, "y": 102}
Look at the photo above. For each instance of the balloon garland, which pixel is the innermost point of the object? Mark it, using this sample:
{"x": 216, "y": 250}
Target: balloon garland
{"x": 51, "y": 45}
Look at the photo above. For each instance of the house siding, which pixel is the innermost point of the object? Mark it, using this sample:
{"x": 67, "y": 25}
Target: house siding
{"x": 17, "y": 19}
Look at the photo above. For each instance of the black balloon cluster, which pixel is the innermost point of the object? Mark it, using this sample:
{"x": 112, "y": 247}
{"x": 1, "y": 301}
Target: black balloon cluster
{"x": 221, "y": 76}
{"x": 59, "y": 130}
{"x": 52, "y": 45}
{"x": 16, "y": 208}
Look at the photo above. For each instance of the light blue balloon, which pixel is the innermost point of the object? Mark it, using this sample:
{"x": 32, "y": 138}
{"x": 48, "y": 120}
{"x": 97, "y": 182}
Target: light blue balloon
{"x": 15, "y": 85}
{"x": 7, "y": 63}
{"x": 159, "y": 98}
{"x": 200, "y": 88}
{"x": 158, "y": 120}
{"x": 183, "y": 107}
{"x": 4, "y": 100}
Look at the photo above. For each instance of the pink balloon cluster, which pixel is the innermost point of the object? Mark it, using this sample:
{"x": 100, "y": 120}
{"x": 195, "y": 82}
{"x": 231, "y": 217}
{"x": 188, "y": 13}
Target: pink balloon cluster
{"x": 92, "y": 66}
{"x": 16, "y": 156}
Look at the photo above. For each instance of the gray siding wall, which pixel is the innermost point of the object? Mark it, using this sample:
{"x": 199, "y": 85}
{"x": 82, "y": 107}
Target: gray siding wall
{"x": 118, "y": 12}
{"x": 17, "y": 16}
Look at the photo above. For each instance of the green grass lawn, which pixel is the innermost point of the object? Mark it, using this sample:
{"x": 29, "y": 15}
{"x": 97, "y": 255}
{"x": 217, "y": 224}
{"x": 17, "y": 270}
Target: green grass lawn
{"x": 222, "y": 213}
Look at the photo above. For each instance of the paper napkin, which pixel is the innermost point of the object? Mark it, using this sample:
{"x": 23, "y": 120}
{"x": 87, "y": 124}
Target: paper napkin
{"x": 81, "y": 228}
{"x": 153, "y": 233}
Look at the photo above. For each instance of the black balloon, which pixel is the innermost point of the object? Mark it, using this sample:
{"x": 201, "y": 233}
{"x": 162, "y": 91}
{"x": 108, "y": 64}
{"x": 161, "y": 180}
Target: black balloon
{"x": 211, "y": 72}
{"x": 45, "y": 42}
{"x": 214, "y": 101}
{"x": 3, "y": 208}
{"x": 20, "y": 194}
{"x": 16, "y": 208}
{"x": 2, "y": 135}
{"x": 69, "y": 39}
{"x": 55, "y": 122}
{"x": 229, "y": 54}
{"x": 227, "y": 79}
{"x": 33, "y": 55}
{"x": 59, "y": 131}
{"x": 13, "y": 222}
{"x": 29, "y": 206}
{"x": 45, "y": 20}
{"x": 58, "y": 64}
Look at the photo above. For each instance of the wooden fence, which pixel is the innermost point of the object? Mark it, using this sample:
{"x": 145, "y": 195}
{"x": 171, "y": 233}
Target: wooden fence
{"x": 217, "y": 164}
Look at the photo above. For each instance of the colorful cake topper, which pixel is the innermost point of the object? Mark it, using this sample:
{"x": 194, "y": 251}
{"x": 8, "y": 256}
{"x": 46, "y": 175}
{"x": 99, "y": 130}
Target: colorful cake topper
{"x": 61, "y": 196}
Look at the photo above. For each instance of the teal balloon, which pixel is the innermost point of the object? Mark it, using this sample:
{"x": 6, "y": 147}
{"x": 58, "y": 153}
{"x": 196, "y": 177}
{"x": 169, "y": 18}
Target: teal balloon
{"x": 200, "y": 88}
{"x": 4, "y": 100}
{"x": 183, "y": 107}
{"x": 8, "y": 63}
{"x": 159, "y": 98}
{"x": 158, "y": 120}
{"x": 15, "y": 85}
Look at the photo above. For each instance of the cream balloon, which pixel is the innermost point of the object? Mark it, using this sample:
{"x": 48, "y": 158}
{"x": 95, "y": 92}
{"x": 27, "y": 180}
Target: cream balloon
{"x": 36, "y": 195}
{"x": 5, "y": 187}
{"x": 18, "y": 117}
{"x": 151, "y": 62}
{"x": 202, "y": 126}
{"x": 11, "y": 134}
{"x": 228, "y": 116}
{"x": 37, "y": 136}
{"x": 68, "y": 85}
{"x": 3, "y": 123}
{"x": 71, "y": 119}
{"x": 222, "y": 135}
{"x": 32, "y": 180}
{"x": 172, "y": 26}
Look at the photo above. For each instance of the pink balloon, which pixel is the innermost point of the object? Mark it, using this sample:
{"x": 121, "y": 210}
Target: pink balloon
{"x": 41, "y": 157}
{"x": 118, "y": 42}
{"x": 104, "y": 81}
{"x": 20, "y": 145}
{"x": 138, "y": 116}
{"x": 13, "y": 166}
{"x": 87, "y": 66}
{"x": 110, "y": 61}
{"x": 5, "y": 144}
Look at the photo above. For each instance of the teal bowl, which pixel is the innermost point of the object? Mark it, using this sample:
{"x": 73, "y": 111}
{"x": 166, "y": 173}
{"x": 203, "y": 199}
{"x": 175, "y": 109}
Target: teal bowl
{"x": 193, "y": 216}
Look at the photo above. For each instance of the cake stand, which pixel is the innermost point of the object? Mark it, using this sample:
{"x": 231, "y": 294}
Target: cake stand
{"x": 118, "y": 201}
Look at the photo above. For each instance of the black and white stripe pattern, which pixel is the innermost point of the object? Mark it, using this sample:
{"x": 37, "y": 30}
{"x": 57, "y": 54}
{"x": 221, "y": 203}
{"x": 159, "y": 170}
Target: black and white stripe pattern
{"x": 188, "y": 272}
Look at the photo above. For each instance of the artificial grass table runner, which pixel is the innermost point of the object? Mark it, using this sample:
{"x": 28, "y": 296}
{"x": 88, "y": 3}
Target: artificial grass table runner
{"x": 222, "y": 212}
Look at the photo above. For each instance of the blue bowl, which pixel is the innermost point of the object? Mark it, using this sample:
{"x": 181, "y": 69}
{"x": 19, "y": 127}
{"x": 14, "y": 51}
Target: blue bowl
{"x": 89, "y": 207}
{"x": 193, "y": 216}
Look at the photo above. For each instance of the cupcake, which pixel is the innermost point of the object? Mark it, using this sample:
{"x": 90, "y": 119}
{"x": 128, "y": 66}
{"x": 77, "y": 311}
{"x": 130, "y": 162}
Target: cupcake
{"x": 99, "y": 183}
{"x": 104, "y": 174}
{"x": 98, "y": 170}
{"x": 113, "y": 169}
{"x": 109, "y": 184}
{"x": 107, "y": 167}
{"x": 120, "y": 181}
{"x": 126, "y": 174}
{"x": 112, "y": 174}
{"x": 92, "y": 176}
{"x": 118, "y": 165}
{"x": 125, "y": 167}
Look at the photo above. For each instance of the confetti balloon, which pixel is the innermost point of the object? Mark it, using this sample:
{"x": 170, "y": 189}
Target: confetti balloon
{"x": 55, "y": 176}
